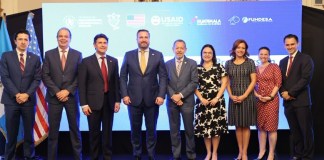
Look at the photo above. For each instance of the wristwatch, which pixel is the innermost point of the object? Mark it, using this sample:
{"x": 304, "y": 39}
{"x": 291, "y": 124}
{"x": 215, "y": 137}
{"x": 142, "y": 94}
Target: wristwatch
{"x": 271, "y": 97}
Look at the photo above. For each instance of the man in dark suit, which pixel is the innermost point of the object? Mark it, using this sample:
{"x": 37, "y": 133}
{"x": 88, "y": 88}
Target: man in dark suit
{"x": 143, "y": 87}
{"x": 20, "y": 74}
{"x": 182, "y": 82}
{"x": 99, "y": 95}
{"x": 297, "y": 71}
{"x": 60, "y": 77}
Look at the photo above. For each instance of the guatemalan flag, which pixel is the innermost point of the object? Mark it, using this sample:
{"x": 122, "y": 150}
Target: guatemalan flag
{"x": 5, "y": 45}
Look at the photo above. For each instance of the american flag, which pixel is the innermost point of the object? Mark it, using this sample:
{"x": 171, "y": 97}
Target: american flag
{"x": 136, "y": 20}
{"x": 41, "y": 122}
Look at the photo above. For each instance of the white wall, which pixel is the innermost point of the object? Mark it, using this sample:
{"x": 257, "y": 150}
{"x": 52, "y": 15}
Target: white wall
{"x": 17, "y": 6}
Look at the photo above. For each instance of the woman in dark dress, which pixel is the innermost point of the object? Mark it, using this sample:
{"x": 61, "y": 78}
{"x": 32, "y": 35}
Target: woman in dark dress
{"x": 210, "y": 115}
{"x": 242, "y": 108}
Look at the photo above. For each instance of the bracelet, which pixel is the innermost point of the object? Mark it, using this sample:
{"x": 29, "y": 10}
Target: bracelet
{"x": 271, "y": 97}
{"x": 217, "y": 97}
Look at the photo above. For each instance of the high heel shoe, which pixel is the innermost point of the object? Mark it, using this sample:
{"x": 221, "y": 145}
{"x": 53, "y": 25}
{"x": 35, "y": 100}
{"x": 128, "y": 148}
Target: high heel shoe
{"x": 262, "y": 158}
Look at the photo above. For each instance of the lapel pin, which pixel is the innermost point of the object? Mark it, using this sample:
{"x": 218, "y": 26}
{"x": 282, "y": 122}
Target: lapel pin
{"x": 110, "y": 61}
{"x": 152, "y": 54}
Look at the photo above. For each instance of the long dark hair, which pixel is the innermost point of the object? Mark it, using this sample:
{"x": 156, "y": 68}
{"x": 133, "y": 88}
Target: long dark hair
{"x": 235, "y": 45}
{"x": 214, "y": 53}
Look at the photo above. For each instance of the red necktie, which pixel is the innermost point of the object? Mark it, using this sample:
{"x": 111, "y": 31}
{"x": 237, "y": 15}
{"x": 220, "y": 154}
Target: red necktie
{"x": 22, "y": 63}
{"x": 104, "y": 73}
{"x": 290, "y": 64}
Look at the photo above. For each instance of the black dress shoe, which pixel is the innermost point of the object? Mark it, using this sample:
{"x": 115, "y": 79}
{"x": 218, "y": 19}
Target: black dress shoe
{"x": 32, "y": 158}
{"x": 175, "y": 158}
{"x": 137, "y": 158}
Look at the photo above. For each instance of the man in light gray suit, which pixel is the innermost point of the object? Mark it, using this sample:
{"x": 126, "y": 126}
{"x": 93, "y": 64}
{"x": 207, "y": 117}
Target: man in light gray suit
{"x": 182, "y": 82}
{"x": 59, "y": 75}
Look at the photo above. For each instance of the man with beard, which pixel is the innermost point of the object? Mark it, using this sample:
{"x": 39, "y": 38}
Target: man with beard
{"x": 143, "y": 86}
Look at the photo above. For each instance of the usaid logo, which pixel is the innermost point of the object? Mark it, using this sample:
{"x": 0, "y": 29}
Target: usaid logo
{"x": 257, "y": 20}
{"x": 168, "y": 21}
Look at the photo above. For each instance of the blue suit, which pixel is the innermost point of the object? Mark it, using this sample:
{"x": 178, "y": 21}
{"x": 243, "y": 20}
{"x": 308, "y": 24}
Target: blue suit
{"x": 143, "y": 89}
{"x": 15, "y": 82}
{"x": 298, "y": 110}
{"x": 57, "y": 79}
{"x": 185, "y": 83}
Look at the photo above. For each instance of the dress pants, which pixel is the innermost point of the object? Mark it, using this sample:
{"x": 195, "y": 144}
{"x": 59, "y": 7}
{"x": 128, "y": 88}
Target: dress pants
{"x": 151, "y": 114}
{"x": 13, "y": 113}
{"x": 103, "y": 117}
{"x": 54, "y": 118}
{"x": 301, "y": 130}
{"x": 187, "y": 114}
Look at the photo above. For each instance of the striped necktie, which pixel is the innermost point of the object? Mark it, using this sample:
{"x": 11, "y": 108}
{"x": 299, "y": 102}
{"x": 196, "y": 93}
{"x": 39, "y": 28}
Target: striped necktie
{"x": 22, "y": 63}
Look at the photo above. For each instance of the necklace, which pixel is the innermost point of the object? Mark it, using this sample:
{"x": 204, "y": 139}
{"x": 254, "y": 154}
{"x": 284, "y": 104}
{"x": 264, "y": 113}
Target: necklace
{"x": 208, "y": 66}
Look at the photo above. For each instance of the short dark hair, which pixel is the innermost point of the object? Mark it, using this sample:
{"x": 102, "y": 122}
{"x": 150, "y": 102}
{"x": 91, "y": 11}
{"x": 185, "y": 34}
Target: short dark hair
{"x": 64, "y": 28}
{"x": 268, "y": 49}
{"x": 214, "y": 53}
{"x": 235, "y": 45}
{"x": 291, "y": 36}
{"x": 22, "y": 31}
{"x": 101, "y": 35}
{"x": 142, "y": 30}
{"x": 179, "y": 40}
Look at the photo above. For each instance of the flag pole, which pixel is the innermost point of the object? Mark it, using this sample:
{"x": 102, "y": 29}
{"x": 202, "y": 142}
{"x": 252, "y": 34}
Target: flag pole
{"x": 4, "y": 17}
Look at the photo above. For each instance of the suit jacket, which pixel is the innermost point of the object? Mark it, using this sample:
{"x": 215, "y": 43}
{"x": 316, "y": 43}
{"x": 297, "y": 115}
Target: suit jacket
{"x": 15, "y": 82}
{"x": 56, "y": 79}
{"x": 145, "y": 87}
{"x": 185, "y": 84}
{"x": 298, "y": 80}
{"x": 91, "y": 82}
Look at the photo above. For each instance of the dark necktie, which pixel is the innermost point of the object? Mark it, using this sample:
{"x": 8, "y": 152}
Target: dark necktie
{"x": 104, "y": 73}
{"x": 290, "y": 64}
{"x": 22, "y": 63}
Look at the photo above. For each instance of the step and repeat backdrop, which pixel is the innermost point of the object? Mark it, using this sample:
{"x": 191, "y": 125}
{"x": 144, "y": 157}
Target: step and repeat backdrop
{"x": 260, "y": 23}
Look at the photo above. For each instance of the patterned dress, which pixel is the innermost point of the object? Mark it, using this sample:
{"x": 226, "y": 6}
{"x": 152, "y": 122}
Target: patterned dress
{"x": 210, "y": 121}
{"x": 241, "y": 114}
{"x": 268, "y": 112}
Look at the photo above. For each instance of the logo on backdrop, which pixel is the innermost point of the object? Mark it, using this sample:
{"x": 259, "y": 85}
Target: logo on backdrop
{"x": 135, "y": 20}
{"x": 167, "y": 21}
{"x": 257, "y": 19}
{"x": 206, "y": 21}
{"x": 234, "y": 20}
{"x": 69, "y": 21}
{"x": 113, "y": 20}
